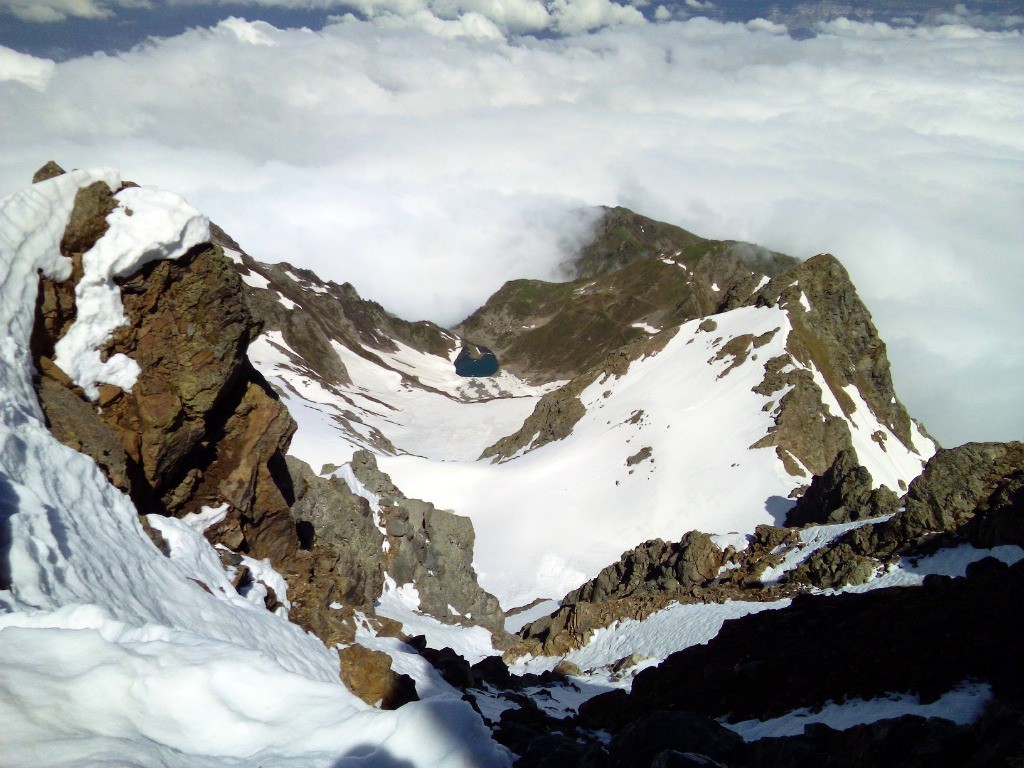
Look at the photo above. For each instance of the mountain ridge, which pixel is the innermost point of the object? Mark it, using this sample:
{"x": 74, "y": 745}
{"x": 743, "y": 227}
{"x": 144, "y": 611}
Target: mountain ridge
{"x": 293, "y": 450}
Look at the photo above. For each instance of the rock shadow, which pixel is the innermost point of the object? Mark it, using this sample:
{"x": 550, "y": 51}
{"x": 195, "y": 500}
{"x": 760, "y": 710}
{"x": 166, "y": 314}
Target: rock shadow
{"x": 778, "y": 507}
{"x": 8, "y": 508}
{"x": 370, "y": 756}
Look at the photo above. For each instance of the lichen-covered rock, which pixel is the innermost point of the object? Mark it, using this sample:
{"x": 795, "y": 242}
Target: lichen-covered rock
{"x": 73, "y": 421}
{"x": 199, "y": 426}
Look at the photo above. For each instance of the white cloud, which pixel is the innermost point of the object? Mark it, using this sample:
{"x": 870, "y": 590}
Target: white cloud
{"x": 251, "y": 32}
{"x": 763, "y": 25}
{"x": 426, "y": 158}
{"x": 575, "y": 16}
{"x": 47, "y": 11}
{"x": 25, "y": 69}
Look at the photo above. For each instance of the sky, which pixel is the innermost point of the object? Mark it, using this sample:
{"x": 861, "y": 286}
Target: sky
{"x": 428, "y": 150}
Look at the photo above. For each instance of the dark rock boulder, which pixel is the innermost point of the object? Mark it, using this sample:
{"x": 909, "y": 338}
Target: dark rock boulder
{"x": 836, "y": 566}
{"x": 649, "y": 737}
{"x": 925, "y": 640}
{"x": 842, "y": 494}
{"x": 655, "y": 566}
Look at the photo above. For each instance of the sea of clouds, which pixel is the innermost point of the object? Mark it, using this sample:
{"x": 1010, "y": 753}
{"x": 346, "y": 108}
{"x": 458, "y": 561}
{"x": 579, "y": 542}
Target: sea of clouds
{"x": 428, "y": 150}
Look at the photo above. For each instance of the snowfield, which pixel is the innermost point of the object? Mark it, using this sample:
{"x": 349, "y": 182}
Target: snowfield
{"x": 662, "y": 450}
{"x": 109, "y": 653}
{"x": 452, "y": 421}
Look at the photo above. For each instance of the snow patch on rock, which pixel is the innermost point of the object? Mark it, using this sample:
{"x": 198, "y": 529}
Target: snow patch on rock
{"x": 147, "y": 225}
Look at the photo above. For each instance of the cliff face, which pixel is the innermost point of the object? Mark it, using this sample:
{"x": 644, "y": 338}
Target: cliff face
{"x": 200, "y": 426}
{"x": 833, "y": 333}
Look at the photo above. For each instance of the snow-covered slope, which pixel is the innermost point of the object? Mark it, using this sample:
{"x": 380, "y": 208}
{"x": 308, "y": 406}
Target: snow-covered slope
{"x": 113, "y": 653}
{"x": 664, "y": 449}
{"x": 414, "y": 399}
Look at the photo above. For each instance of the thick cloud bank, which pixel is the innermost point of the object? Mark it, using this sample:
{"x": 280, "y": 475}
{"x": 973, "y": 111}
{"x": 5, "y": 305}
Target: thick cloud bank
{"x": 426, "y": 154}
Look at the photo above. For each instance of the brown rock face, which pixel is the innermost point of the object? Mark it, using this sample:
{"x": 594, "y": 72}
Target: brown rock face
{"x": 200, "y": 426}
{"x": 369, "y": 676}
{"x": 48, "y": 171}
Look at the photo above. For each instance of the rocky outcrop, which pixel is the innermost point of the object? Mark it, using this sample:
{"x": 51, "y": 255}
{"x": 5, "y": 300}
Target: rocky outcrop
{"x": 926, "y": 640}
{"x": 431, "y": 548}
{"x": 833, "y": 332}
{"x": 336, "y": 568}
{"x": 200, "y": 426}
{"x": 971, "y": 492}
{"x": 655, "y": 566}
{"x": 842, "y": 494}
{"x": 963, "y": 482}
{"x": 654, "y": 575}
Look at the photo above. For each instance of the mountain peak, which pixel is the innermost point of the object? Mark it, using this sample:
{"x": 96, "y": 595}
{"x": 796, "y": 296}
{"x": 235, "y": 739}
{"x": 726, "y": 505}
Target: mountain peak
{"x": 315, "y": 508}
